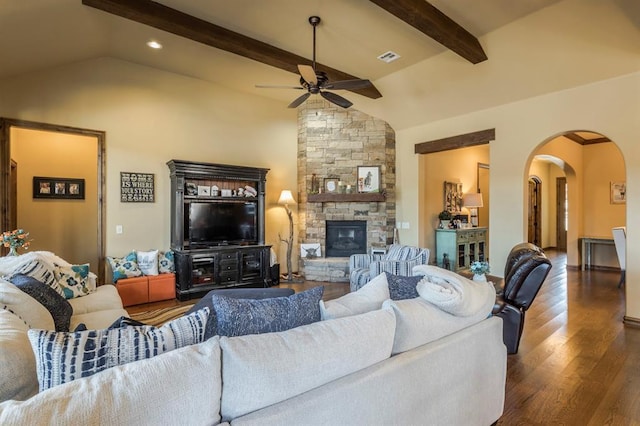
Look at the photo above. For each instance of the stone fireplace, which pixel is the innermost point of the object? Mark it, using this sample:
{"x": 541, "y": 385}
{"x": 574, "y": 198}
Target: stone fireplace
{"x": 332, "y": 143}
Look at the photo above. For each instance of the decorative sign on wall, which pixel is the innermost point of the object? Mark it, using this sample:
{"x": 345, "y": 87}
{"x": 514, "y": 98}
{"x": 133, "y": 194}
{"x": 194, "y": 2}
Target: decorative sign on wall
{"x": 136, "y": 187}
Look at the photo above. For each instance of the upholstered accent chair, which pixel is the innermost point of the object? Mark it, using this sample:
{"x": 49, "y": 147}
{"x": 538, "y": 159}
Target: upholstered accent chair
{"x": 526, "y": 269}
{"x": 399, "y": 260}
{"x": 620, "y": 241}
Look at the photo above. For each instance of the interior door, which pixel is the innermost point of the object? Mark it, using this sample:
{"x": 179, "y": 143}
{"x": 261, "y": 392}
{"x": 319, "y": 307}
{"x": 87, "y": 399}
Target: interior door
{"x": 535, "y": 212}
{"x": 561, "y": 212}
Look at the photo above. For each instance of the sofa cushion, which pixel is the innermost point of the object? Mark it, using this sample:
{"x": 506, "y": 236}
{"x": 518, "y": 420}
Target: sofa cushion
{"x": 18, "y": 378}
{"x": 124, "y": 267}
{"x": 57, "y": 305}
{"x": 177, "y": 387}
{"x": 73, "y": 280}
{"x": 166, "y": 263}
{"x": 263, "y": 369}
{"x": 25, "y": 306}
{"x": 148, "y": 261}
{"x": 419, "y": 322}
{"x": 63, "y": 357}
{"x": 401, "y": 288}
{"x": 105, "y": 297}
{"x": 365, "y": 299}
{"x": 237, "y": 317}
{"x": 96, "y": 320}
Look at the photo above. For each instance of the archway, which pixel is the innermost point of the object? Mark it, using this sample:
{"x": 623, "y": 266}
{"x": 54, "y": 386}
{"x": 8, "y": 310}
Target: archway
{"x": 591, "y": 162}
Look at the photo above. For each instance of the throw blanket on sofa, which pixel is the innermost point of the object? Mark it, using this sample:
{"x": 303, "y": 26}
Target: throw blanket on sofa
{"x": 451, "y": 292}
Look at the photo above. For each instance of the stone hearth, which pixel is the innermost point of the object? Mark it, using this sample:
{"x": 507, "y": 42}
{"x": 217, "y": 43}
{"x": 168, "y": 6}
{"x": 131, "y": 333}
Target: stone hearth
{"x": 332, "y": 143}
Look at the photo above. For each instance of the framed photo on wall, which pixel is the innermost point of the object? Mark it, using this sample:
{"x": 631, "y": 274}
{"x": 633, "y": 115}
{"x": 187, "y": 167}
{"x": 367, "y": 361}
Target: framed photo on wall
{"x": 368, "y": 178}
{"x": 618, "y": 192}
{"x": 58, "y": 188}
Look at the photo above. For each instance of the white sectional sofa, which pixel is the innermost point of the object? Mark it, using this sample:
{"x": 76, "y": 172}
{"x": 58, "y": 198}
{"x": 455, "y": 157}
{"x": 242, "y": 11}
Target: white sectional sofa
{"x": 342, "y": 371}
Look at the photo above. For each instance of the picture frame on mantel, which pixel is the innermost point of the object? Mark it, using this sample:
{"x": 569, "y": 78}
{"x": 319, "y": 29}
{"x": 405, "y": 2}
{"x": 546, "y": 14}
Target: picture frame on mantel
{"x": 368, "y": 179}
{"x": 331, "y": 185}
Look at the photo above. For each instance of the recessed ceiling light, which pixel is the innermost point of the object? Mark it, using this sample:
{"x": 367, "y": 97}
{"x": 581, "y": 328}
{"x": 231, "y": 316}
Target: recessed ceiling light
{"x": 154, "y": 44}
{"x": 389, "y": 56}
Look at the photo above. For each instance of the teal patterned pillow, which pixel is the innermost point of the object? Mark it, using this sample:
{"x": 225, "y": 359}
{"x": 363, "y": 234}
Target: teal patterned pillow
{"x": 73, "y": 280}
{"x": 124, "y": 267}
{"x": 166, "y": 264}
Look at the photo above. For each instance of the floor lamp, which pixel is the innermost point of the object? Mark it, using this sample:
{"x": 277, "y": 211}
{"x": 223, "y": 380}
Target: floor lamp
{"x": 472, "y": 202}
{"x": 286, "y": 198}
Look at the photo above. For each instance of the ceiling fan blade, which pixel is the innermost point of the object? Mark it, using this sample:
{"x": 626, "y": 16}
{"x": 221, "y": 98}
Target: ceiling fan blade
{"x": 272, "y": 86}
{"x": 336, "y": 99}
{"x": 299, "y": 100}
{"x": 347, "y": 84}
{"x": 309, "y": 74}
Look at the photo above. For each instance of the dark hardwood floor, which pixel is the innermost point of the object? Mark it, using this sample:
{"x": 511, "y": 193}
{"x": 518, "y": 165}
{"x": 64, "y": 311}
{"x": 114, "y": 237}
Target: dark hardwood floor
{"x": 578, "y": 364}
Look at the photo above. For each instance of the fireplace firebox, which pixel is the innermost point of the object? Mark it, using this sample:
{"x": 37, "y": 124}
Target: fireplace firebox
{"x": 345, "y": 237}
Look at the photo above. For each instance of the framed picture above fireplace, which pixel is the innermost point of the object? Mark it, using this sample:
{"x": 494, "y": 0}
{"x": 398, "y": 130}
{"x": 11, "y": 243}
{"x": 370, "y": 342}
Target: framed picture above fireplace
{"x": 368, "y": 178}
{"x": 331, "y": 185}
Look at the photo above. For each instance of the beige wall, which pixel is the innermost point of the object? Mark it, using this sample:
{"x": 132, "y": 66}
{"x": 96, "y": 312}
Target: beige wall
{"x": 68, "y": 228}
{"x": 458, "y": 165}
{"x": 151, "y": 117}
{"x": 522, "y": 127}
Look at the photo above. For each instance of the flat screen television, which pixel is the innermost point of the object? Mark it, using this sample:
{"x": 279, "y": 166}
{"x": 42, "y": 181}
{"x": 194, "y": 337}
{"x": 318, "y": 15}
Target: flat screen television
{"x": 221, "y": 223}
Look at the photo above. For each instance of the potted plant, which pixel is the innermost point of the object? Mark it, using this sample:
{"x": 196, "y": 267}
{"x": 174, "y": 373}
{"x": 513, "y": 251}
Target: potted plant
{"x": 479, "y": 270}
{"x": 445, "y": 217}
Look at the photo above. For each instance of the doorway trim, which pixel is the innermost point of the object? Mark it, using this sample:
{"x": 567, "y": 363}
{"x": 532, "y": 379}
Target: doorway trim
{"x": 5, "y": 168}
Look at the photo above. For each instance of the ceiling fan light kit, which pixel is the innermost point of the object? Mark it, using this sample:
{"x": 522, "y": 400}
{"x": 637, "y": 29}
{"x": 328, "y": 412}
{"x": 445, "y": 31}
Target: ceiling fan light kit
{"x": 317, "y": 83}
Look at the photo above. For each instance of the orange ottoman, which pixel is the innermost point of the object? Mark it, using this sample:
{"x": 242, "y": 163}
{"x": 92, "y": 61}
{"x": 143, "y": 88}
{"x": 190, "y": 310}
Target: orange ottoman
{"x": 162, "y": 287}
{"x": 133, "y": 291}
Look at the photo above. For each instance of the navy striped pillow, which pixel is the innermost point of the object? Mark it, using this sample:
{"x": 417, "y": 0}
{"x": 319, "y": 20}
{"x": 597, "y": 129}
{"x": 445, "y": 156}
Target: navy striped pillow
{"x": 63, "y": 357}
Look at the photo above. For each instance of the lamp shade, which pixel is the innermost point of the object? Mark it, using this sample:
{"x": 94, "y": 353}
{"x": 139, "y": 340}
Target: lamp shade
{"x": 472, "y": 200}
{"x": 286, "y": 197}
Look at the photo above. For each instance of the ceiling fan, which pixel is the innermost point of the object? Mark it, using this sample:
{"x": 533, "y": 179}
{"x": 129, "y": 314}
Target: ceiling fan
{"x": 316, "y": 82}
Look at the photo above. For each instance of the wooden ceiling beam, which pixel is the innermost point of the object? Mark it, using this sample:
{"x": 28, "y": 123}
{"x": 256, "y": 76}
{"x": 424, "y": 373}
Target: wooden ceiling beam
{"x": 164, "y": 18}
{"x": 455, "y": 142}
{"x": 429, "y": 20}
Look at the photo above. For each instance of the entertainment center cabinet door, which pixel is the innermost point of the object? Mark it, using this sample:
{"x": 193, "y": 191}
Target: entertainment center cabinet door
{"x": 254, "y": 265}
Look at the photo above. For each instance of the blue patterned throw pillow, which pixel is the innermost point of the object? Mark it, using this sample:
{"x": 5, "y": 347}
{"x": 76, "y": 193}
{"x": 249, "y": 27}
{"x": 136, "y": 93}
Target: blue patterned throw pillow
{"x": 239, "y": 317}
{"x": 401, "y": 288}
{"x": 58, "y": 307}
{"x": 124, "y": 267}
{"x": 166, "y": 263}
{"x": 63, "y": 357}
{"x": 73, "y": 280}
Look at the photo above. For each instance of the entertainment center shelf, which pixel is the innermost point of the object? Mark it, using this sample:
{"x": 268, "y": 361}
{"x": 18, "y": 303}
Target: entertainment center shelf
{"x": 217, "y": 231}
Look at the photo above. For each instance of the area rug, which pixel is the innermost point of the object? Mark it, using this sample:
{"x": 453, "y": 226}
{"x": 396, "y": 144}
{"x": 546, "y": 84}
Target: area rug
{"x": 158, "y": 317}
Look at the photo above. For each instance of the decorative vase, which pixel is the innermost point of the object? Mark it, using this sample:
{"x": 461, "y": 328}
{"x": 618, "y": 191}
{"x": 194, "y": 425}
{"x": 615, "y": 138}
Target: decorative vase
{"x": 444, "y": 224}
{"x": 12, "y": 251}
{"x": 481, "y": 278}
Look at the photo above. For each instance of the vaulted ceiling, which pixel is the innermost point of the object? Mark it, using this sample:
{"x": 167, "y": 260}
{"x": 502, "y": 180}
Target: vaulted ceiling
{"x": 39, "y": 35}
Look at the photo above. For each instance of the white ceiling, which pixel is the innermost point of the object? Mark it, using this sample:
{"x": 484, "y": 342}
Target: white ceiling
{"x": 39, "y": 34}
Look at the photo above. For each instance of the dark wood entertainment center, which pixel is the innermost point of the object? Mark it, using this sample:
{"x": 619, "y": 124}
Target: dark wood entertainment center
{"x": 224, "y": 195}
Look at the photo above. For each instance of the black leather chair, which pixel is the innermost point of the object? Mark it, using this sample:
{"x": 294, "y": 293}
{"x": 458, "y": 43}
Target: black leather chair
{"x": 526, "y": 269}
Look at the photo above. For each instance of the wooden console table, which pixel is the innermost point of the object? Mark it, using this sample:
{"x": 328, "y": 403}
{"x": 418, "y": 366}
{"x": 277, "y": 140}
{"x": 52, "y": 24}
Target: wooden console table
{"x": 587, "y": 245}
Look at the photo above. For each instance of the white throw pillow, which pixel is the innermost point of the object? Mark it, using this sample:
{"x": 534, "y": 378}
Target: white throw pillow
{"x": 177, "y": 387}
{"x": 419, "y": 322}
{"x": 25, "y": 306}
{"x": 367, "y": 298}
{"x": 262, "y": 369}
{"x": 148, "y": 261}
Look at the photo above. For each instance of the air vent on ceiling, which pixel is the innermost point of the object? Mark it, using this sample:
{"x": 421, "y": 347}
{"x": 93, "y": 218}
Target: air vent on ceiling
{"x": 389, "y": 56}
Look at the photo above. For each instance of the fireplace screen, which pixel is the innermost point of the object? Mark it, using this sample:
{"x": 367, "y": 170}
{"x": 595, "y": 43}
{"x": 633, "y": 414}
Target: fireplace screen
{"x": 346, "y": 237}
